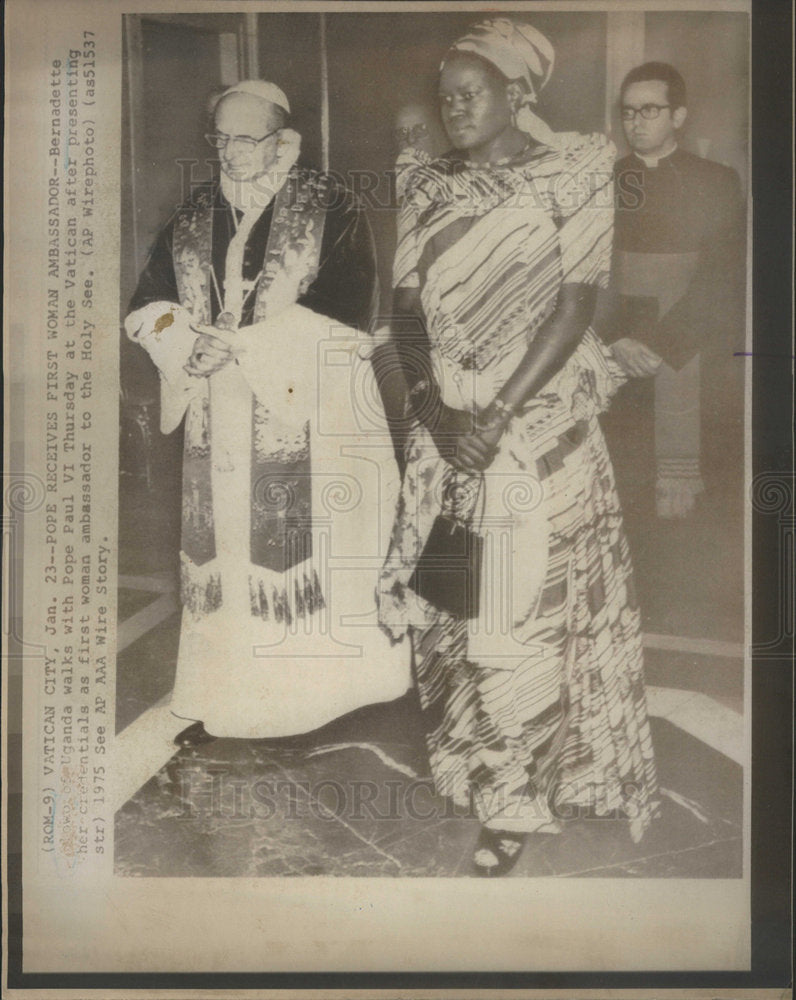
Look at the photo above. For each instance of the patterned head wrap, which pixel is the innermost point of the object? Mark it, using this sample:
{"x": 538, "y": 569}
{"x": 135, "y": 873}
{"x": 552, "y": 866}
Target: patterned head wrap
{"x": 260, "y": 88}
{"x": 520, "y": 52}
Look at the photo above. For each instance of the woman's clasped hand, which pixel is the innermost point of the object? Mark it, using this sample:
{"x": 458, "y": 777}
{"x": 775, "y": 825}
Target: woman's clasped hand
{"x": 468, "y": 442}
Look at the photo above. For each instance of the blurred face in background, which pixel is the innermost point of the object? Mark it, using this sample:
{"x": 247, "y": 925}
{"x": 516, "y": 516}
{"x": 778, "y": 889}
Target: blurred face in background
{"x": 243, "y": 117}
{"x": 417, "y": 125}
{"x": 651, "y": 136}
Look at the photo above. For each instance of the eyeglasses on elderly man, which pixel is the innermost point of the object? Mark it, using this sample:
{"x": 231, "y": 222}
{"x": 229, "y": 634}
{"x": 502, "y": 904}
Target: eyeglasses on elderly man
{"x": 242, "y": 143}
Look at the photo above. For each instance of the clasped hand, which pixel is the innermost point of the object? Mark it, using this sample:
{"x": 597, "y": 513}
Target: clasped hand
{"x": 210, "y": 352}
{"x": 466, "y": 443}
{"x": 636, "y": 358}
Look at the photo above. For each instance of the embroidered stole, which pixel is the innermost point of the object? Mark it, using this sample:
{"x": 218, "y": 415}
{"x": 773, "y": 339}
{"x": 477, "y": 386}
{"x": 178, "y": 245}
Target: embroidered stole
{"x": 281, "y": 499}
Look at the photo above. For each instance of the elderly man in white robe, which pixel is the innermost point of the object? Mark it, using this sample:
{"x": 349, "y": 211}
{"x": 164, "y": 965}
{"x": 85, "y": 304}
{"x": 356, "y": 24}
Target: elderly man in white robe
{"x": 252, "y": 306}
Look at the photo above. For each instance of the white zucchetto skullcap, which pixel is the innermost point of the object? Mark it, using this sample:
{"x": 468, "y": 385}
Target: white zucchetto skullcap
{"x": 260, "y": 88}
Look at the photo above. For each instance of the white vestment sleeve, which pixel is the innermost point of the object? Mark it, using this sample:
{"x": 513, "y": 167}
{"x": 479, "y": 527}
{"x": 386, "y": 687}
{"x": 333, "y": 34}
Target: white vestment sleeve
{"x": 282, "y": 359}
{"x": 164, "y": 330}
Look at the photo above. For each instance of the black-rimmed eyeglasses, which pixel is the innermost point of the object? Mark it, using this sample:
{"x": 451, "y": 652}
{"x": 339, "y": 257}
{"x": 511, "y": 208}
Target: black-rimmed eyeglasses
{"x": 243, "y": 143}
{"x": 647, "y": 111}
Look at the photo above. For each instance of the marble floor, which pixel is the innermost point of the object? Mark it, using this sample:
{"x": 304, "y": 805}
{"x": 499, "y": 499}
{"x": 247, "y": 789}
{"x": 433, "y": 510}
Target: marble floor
{"x": 355, "y": 798}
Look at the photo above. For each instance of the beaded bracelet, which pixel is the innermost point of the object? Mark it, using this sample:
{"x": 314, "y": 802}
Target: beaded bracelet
{"x": 501, "y": 417}
{"x": 422, "y": 386}
{"x": 503, "y": 408}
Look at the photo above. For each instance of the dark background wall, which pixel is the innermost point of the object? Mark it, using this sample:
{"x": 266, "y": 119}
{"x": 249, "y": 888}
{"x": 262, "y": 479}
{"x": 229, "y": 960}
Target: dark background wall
{"x": 711, "y": 50}
{"x": 172, "y": 66}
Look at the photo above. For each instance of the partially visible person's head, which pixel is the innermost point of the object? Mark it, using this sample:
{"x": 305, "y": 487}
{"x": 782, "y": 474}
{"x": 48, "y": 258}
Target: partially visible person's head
{"x": 652, "y": 105}
{"x": 417, "y": 125}
{"x": 248, "y": 119}
{"x": 488, "y": 75}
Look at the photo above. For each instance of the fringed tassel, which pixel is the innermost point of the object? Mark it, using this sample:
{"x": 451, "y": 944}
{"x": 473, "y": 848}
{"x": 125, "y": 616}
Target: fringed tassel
{"x": 200, "y": 588}
{"x": 258, "y": 599}
{"x": 263, "y": 601}
{"x": 677, "y": 486}
{"x": 281, "y": 604}
{"x": 313, "y": 595}
{"x": 286, "y": 604}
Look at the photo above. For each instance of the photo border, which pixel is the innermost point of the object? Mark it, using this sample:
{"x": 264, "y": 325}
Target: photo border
{"x": 772, "y": 680}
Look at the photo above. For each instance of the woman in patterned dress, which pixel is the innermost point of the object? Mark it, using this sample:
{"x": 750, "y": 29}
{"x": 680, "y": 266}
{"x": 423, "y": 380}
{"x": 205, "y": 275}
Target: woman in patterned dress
{"x": 535, "y": 706}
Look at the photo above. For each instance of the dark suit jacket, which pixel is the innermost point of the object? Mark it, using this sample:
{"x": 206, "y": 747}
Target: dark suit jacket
{"x": 687, "y": 204}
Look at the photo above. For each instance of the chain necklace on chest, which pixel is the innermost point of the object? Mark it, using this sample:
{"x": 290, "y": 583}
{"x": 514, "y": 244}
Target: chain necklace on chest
{"x": 504, "y": 161}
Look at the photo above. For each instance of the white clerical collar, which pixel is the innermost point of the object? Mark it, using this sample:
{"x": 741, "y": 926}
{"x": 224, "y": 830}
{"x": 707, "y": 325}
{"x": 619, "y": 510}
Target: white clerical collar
{"x": 653, "y": 161}
{"x": 252, "y": 196}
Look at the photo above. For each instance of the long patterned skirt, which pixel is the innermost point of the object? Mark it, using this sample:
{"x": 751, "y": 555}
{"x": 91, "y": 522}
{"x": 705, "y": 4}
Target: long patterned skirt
{"x": 563, "y": 733}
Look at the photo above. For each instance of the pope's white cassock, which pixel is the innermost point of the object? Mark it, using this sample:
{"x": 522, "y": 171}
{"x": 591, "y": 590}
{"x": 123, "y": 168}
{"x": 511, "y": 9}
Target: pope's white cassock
{"x": 289, "y": 480}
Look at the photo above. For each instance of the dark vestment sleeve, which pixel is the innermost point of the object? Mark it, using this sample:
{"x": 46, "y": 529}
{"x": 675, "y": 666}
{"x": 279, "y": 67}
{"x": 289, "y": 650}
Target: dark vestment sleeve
{"x": 157, "y": 281}
{"x": 138, "y": 374}
{"x": 346, "y": 288}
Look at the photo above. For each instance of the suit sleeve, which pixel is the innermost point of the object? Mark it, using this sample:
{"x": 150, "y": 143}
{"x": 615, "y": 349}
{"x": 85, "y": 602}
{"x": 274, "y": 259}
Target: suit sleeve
{"x": 708, "y": 316}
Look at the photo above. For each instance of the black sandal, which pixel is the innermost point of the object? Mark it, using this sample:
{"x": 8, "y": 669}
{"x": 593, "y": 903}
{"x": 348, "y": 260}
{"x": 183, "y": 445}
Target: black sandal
{"x": 497, "y": 852}
{"x": 195, "y": 735}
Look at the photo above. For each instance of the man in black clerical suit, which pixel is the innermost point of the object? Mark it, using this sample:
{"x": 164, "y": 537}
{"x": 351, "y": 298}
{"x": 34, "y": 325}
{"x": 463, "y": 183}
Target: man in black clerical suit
{"x": 677, "y": 285}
